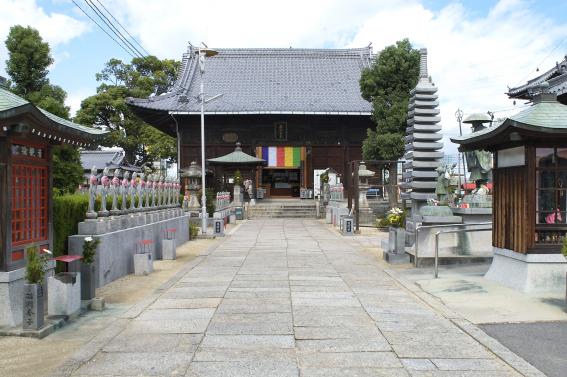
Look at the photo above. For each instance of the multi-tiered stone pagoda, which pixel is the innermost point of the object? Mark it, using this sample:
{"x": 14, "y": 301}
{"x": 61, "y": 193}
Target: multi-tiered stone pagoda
{"x": 423, "y": 149}
{"x": 423, "y": 145}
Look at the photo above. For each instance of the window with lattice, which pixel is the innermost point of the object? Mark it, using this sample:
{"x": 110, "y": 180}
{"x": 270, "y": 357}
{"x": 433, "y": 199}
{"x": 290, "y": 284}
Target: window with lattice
{"x": 29, "y": 203}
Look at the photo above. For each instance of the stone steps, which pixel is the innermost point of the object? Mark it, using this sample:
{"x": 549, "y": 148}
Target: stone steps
{"x": 281, "y": 209}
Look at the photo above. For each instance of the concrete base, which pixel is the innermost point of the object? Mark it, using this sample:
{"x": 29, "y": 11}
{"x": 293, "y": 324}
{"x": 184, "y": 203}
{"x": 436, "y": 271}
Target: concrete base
{"x": 64, "y": 294}
{"x": 112, "y": 263}
{"x": 12, "y": 293}
{"x": 143, "y": 264}
{"x": 394, "y": 258}
{"x": 529, "y": 273}
{"x": 168, "y": 249}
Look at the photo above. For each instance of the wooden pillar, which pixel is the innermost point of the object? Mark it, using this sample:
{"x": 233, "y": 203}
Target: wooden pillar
{"x": 4, "y": 204}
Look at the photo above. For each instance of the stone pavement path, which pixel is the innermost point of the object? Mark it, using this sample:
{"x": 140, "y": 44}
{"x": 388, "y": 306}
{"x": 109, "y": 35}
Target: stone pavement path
{"x": 285, "y": 297}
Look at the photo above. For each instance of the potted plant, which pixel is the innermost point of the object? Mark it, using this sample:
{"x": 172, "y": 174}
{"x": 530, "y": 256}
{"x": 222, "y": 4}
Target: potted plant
{"x": 32, "y": 307}
{"x": 88, "y": 284}
{"x": 396, "y": 219}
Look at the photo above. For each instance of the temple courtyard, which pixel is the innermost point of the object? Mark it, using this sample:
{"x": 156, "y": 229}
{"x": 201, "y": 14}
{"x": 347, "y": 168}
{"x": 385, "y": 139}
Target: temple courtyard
{"x": 275, "y": 297}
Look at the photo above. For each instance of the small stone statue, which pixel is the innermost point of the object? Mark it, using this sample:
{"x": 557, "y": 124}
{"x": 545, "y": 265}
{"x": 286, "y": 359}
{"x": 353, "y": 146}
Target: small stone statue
{"x": 93, "y": 185}
{"x": 125, "y": 191}
{"x": 443, "y": 180}
{"x": 141, "y": 192}
{"x": 115, "y": 191}
{"x": 154, "y": 188}
{"x": 133, "y": 190}
{"x": 104, "y": 188}
{"x": 249, "y": 187}
{"x": 161, "y": 191}
{"x": 148, "y": 192}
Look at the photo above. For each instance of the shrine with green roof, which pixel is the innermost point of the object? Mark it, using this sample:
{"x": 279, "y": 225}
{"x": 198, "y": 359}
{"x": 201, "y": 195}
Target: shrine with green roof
{"x": 27, "y": 137}
{"x": 529, "y": 194}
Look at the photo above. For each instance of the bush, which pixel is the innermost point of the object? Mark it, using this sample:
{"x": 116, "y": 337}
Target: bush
{"x": 68, "y": 212}
{"x": 36, "y": 265}
{"x": 564, "y": 246}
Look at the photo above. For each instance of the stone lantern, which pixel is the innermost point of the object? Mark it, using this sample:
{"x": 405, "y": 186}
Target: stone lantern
{"x": 366, "y": 215}
{"x": 192, "y": 187}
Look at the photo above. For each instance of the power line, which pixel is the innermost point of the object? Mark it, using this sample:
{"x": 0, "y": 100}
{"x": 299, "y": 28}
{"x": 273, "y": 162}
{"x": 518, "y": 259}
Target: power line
{"x": 123, "y": 28}
{"x": 544, "y": 59}
{"x": 113, "y": 29}
{"x": 103, "y": 29}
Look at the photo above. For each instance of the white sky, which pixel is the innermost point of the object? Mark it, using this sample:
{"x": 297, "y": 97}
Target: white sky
{"x": 474, "y": 50}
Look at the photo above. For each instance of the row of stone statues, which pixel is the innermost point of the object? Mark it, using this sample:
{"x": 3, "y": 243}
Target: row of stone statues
{"x": 155, "y": 192}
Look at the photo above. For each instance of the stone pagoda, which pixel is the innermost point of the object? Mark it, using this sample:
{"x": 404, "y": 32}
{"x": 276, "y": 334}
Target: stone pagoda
{"x": 423, "y": 145}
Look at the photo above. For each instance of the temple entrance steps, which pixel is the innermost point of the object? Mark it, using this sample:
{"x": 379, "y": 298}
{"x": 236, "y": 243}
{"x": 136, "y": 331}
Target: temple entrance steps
{"x": 283, "y": 208}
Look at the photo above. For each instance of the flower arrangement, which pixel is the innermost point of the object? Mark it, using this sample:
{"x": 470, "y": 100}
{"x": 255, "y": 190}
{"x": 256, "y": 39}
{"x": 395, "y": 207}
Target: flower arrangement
{"x": 37, "y": 264}
{"x": 89, "y": 250}
{"x": 396, "y": 218}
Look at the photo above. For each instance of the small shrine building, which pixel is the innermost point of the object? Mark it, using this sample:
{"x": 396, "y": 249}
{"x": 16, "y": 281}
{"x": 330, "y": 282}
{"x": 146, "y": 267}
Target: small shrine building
{"x": 529, "y": 194}
{"x": 27, "y": 137}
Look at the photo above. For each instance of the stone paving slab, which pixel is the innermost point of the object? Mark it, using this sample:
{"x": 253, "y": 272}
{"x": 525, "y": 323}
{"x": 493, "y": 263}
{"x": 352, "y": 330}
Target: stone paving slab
{"x": 285, "y": 298}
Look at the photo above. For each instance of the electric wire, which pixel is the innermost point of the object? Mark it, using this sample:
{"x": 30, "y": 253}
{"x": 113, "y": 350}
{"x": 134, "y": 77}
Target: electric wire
{"x": 113, "y": 29}
{"x": 123, "y": 28}
{"x": 103, "y": 29}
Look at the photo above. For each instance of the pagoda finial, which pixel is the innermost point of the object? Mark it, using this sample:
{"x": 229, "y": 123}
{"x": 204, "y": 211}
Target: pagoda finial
{"x": 423, "y": 64}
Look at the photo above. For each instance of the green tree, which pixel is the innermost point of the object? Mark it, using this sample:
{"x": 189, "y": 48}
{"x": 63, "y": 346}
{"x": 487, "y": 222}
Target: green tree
{"x": 140, "y": 78}
{"x": 387, "y": 84}
{"x": 67, "y": 169}
{"x": 28, "y": 61}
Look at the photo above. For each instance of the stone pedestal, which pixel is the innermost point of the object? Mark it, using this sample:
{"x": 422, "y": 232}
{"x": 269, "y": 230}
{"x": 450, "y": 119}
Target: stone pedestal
{"x": 237, "y": 196}
{"x": 88, "y": 287}
{"x": 168, "y": 248}
{"x": 347, "y": 228}
{"x": 529, "y": 273}
{"x": 218, "y": 227}
{"x": 143, "y": 264}
{"x": 396, "y": 251}
{"x": 32, "y": 308}
{"x": 64, "y": 294}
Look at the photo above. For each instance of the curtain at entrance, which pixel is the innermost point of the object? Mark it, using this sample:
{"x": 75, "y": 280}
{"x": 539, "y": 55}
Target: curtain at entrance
{"x": 282, "y": 157}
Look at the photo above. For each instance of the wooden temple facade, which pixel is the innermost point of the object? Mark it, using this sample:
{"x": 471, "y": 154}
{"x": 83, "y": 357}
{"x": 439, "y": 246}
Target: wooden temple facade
{"x": 298, "y": 109}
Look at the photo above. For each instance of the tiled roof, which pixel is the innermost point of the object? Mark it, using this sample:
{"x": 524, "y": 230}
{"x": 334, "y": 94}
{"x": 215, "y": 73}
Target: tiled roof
{"x": 546, "y": 115}
{"x": 556, "y": 77}
{"x": 269, "y": 81}
{"x": 9, "y": 101}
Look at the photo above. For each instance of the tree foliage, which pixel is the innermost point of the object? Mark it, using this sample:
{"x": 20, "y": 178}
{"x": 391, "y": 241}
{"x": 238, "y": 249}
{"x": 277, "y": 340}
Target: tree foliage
{"x": 29, "y": 59}
{"x": 67, "y": 169}
{"x": 140, "y": 78}
{"x": 28, "y": 63}
{"x": 387, "y": 84}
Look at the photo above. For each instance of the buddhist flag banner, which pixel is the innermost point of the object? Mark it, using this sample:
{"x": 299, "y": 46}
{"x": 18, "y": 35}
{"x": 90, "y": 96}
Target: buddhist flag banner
{"x": 282, "y": 157}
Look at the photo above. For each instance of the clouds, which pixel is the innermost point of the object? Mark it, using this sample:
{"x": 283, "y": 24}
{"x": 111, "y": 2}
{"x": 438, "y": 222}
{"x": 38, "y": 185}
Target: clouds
{"x": 55, "y": 28}
{"x": 474, "y": 53}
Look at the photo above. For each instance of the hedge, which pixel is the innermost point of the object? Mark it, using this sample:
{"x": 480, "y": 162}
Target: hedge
{"x": 70, "y": 210}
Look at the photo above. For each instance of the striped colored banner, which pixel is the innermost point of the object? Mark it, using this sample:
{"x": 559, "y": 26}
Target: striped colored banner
{"x": 282, "y": 157}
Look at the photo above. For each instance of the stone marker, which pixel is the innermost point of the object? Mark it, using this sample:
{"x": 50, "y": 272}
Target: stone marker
{"x": 168, "y": 249}
{"x": 218, "y": 227}
{"x": 143, "y": 264}
{"x": 32, "y": 307}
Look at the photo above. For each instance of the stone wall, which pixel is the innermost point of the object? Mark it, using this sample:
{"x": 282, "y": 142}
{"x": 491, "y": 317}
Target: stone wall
{"x": 114, "y": 257}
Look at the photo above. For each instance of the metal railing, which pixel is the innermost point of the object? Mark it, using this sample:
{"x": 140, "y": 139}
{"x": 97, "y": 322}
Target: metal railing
{"x": 419, "y": 227}
{"x": 437, "y": 234}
